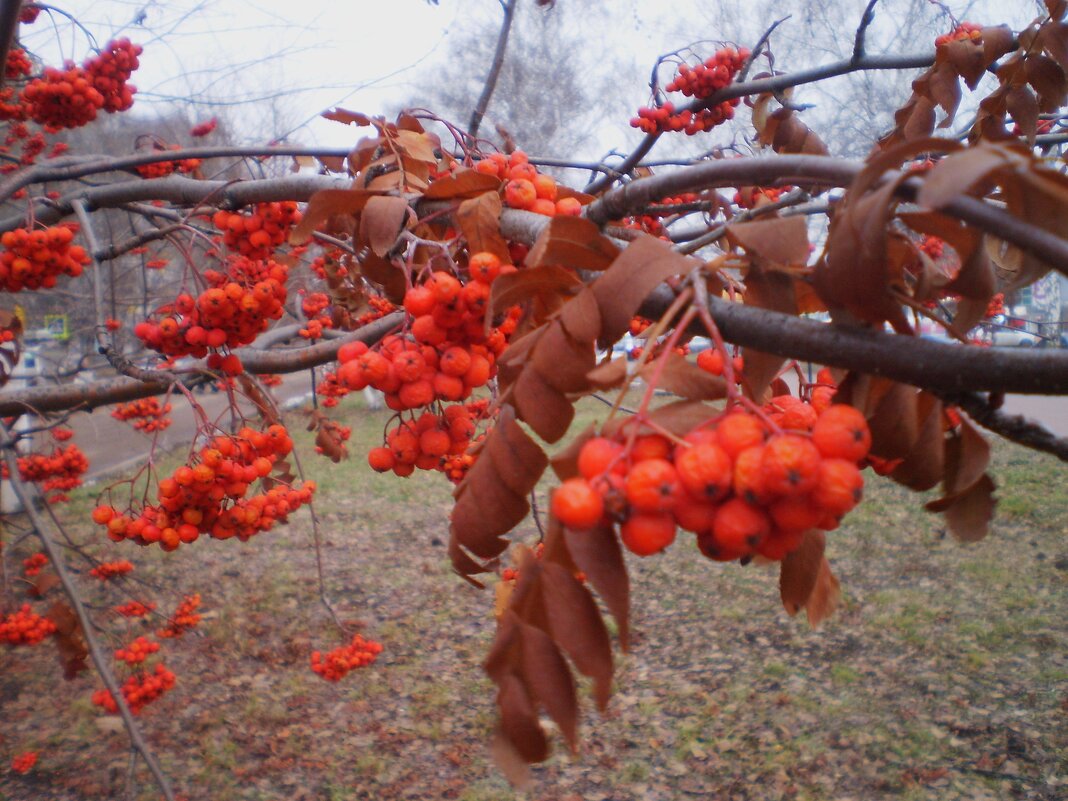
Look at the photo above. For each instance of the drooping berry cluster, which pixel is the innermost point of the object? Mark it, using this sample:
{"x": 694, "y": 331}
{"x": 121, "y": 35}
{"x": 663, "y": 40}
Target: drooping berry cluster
{"x": 25, "y": 627}
{"x": 335, "y": 665}
{"x": 430, "y": 442}
{"x": 135, "y": 609}
{"x": 145, "y": 414}
{"x": 699, "y": 81}
{"x": 315, "y": 306}
{"x": 204, "y": 128}
{"x": 743, "y": 483}
{"x": 137, "y": 651}
{"x": 24, "y": 762}
{"x": 257, "y": 234}
{"x": 33, "y": 565}
{"x": 18, "y": 64}
{"x": 713, "y": 361}
{"x": 185, "y": 618}
{"x": 751, "y": 197}
{"x": 57, "y": 472}
{"x": 966, "y": 30}
{"x": 106, "y": 571}
{"x": 139, "y": 690}
{"x": 236, "y": 308}
{"x": 208, "y": 495}
{"x": 34, "y": 259}
{"x": 161, "y": 169}
{"x": 525, "y": 187}
{"x": 72, "y": 97}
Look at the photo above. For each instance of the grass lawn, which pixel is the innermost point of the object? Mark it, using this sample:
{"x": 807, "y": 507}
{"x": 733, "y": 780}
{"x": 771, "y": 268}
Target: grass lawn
{"x": 944, "y": 675}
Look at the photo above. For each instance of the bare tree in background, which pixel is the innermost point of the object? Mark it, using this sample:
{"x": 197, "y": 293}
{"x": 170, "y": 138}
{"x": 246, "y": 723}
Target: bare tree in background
{"x": 551, "y": 91}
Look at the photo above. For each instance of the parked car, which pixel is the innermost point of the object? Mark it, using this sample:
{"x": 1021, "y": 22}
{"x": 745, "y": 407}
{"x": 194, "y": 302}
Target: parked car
{"x": 1012, "y": 332}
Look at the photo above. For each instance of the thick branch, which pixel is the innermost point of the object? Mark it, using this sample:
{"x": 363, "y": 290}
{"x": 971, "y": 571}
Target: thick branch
{"x": 27, "y": 499}
{"x": 80, "y": 166}
{"x": 1015, "y": 427}
{"x": 183, "y": 191}
{"x": 9, "y": 24}
{"x": 495, "y": 70}
{"x": 936, "y": 366}
{"x": 120, "y": 390}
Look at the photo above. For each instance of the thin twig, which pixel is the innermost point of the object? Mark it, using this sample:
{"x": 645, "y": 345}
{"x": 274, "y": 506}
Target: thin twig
{"x": 27, "y": 499}
{"x": 755, "y": 53}
{"x": 862, "y": 29}
{"x": 495, "y": 70}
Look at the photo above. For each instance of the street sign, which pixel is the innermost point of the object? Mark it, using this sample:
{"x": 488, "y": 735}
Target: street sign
{"x": 57, "y": 326}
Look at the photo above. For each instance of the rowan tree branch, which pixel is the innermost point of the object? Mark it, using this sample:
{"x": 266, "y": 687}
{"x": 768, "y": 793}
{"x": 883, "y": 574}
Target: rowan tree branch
{"x": 862, "y": 29}
{"x": 27, "y": 499}
{"x": 1015, "y": 427}
{"x": 771, "y": 85}
{"x": 495, "y": 70}
{"x": 9, "y": 25}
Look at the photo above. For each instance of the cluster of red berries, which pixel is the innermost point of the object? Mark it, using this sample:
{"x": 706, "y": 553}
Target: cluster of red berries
{"x": 271, "y": 379}
{"x": 35, "y": 259}
{"x": 751, "y": 197}
{"x": 58, "y": 471}
{"x": 161, "y": 169}
{"x": 208, "y": 495}
{"x": 25, "y": 627}
{"x": 203, "y": 128}
{"x": 715, "y": 73}
{"x": 106, "y": 571}
{"x": 966, "y": 30}
{"x": 996, "y": 306}
{"x": 135, "y": 609}
{"x": 315, "y": 305}
{"x": 674, "y": 200}
{"x": 18, "y": 64}
{"x": 23, "y": 763}
{"x": 705, "y": 79}
{"x": 335, "y": 664}
{"x": 110, "y": 71}
{"x": 525, "y": 187}
{"x": 427, "y": 443}
{"x": 639, "y": 324}
{"x": 743, "y": 483}
{"x": 258, "y": 233}
{"x": 61, "y": 434}
{"x": 72, "y": 97}
{"x": 137, "y": 652}
{"x": 447, "y": 353}
{"x": 34, "y": 565}
{"x": 233, "y": 311}
{"x": 139, "y": 690}
{"x": 145, "y": 414}
{"x": 185, "y": 618}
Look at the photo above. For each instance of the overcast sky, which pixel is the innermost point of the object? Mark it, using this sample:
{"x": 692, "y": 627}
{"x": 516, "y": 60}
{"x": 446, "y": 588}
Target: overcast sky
{"x": 290, "y": 60}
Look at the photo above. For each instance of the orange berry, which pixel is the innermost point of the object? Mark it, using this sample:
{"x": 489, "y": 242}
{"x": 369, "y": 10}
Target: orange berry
{"x": 799, "y": 417}
{"x": 739, "y": 431}
{"x": 545, "y": 186}
{"x": 779, "y": 543}
{"x": 711, "y": 361}
{"x": 652, "y": 485}
{"x": 419, "y": 300}
{"x": 444, "y": 286}
{"x": 102, "y": 514}
{"x": 597, "y": 455}
{"x": 795, "y": 514}
{"x": 692, "y": 514}
{"x": 455, "y": 361}
{"x": 839, "y": 487}
{"x": 790, "y": 466}
{"x": 841, "y": 432}
{"x": 569, "y": 207}
{"x": 740, "y": 526}
{"x": 646, "y": 534}
{"x": 484, "y": 266}
{"x": 519, "y": 193}
{"x": 576, "y": 504}
{"x": 748, "y": 481}
{"x": 705, "y": 470}
{"x": 381, "y": 459}
{"x": 650, "y": 446}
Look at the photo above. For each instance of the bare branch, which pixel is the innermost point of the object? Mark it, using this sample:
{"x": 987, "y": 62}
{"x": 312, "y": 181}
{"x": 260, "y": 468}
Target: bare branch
{"x": 1015, "y": 427}
{"x": 9, "y": 24}
{"x": 495, "y": 69}
{"x": 755, "y": 53}
{"x": 862, "y": 30}
{"x": 27, "y": 499}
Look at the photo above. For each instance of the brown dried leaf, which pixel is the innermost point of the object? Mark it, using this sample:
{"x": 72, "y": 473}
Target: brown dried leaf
{"x": 541, "y": 406}
{"x": 519, "y": 720}
{"x": 70, "y": 644}
{"x": 639, "y": 269}
{"x": 969, "y": 513}
{"x": 572, "y": 242}
{"x": 463, "y": 184}
{"x": 386, "y": 274}
{"x": 576, "y": 625}
{"x": 565, "y": 462}
{"x": 609, "y": 374}
{"x": 776, "y": 292}
{"x": 325, "y": 204}
{"x": 512, "y": 288}
{"x": 581, "y": 316}
{"x": 825, "y": 595}
{"x": 479, "y": 219}
{"x": 347, "y": 117}
{"x": 562, "y": 361}
{"x": 548, "y": 679}
{"x": 597, "y": 553}
{"x": 684, "y": 378}
{"x": 800, "y": 572}
{"x": 958, "y": 173}
{"x": 924, "y": 465}
{"x": 781, "y": 240}
{"x": 381, "y": 222}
